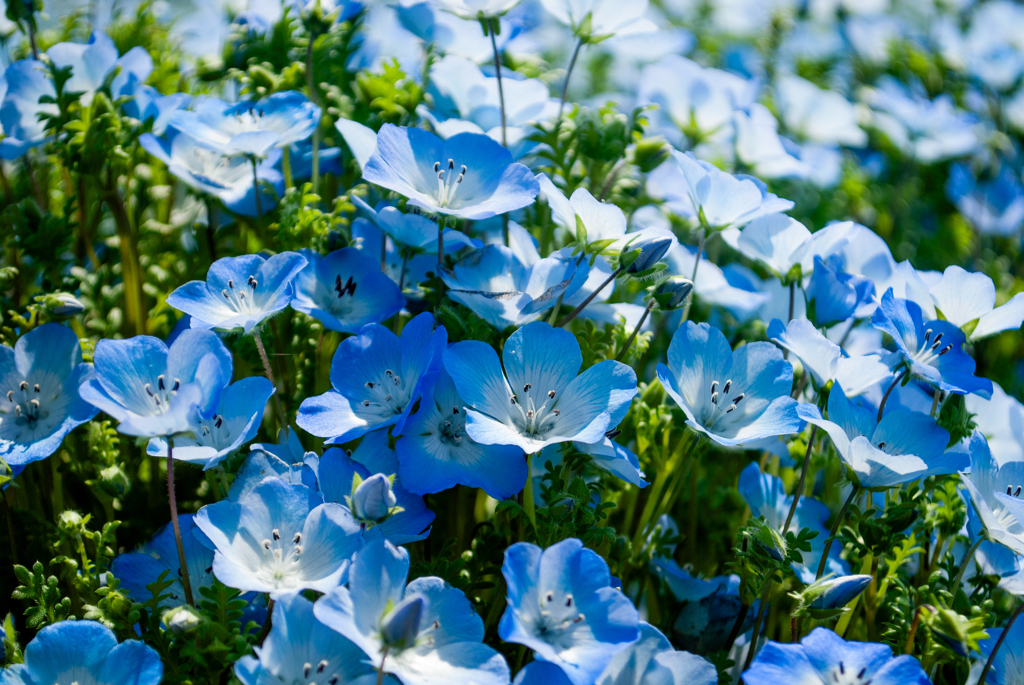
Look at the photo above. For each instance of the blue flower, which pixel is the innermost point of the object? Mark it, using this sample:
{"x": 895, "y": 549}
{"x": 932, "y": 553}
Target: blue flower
{"x": 823, "y": 657}
{"x": 154, "y": 391}
{"x": 903, "y": 447}
{"x": 227, "y": 178}
{"x": 147, "y": 104}
{"x": 300, "y": 648}
{"x": 819, "y": 115}
{"x": 561, "y": 605}
{"x": 84, "y": 652}
{"x": 766, "y": 496}
{"x": 20, "y": 110}
{"x": 91, "y": 63}
{"x": 503, "y": 291}
{"x": 732, "y": 397}
{"x": 834, "y": 593}
{"x": 993, "y": 489}
{"x": 240, "y": 292}
{"x": 615, "y": 459}
{"x": 472, "y": 9}
{"x": 541, "y": 673}
{"x": 995, "y": 207}
{"x": 235, "y": 421}
{"x": 967, "y": 300}
{"x": 436, "y": 452}
{"x": 280, "y": 538}
{"x": 288, "y": 447}
{"x": 251, "y": 127}
{"x": 595, "y": 21}
{"x": 931, "y": 350}
{"x": 138, "y": 569}
{"x": 377, "y": 379}
{"x": 721, "y": 200}
{"x": 414, "y": 232}
{"x": 1006, "y": 667}
{"x": 837, "y": 295}
{"x": 40, "y": 379}
{"x": 468, "y": 176}
{"x": 261, "y": 464}
{"x": 652, "y": 659}
{"x": 539, "y": 399}
{"x": 345, "y": 290}
{"x": 424, "y": 633}
{"x": 372, "y": 241}
{"x": 335, "y": 474}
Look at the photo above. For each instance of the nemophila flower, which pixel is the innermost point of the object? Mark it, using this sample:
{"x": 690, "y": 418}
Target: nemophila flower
{"x": 594, "y": 20}
{"x": 376, "y": 379}
{"x": 153, "y": 391}
{"x": 503, "y": 291}
{"x": 138, "y": 569}
{"x": 87, "y": 653}
{"x": 831, "y": 594}
{"x": 370, "y": 496}
{"x": 760, "y": 147}
{"x": 733, "y": 288}
{"x": 766, "y": 496}
{"x": 240, "y": 292}
{"x": 468, "y": 176}
{"x": 539, "y": 399}
{"x": 785, "y": 246}
{"x": 721, "y": 200}
{"x": 234, "y": 422}
{"x": 288, "y": 447}
{"x": 1001, "y": 420}
{"x": 21, "y": 111}
{"x": 251, "y": 127}
{"x": 824, "y": 657}
{"x": 261, "y": 464}
{"x": 437, "y": 453}
{"x": 279, "y": 538}
{"x": 301, "y": 160}
{"x": 927, "y": 130}
{"x": 931, "y": 350}
{"x": 1007, "y": 668}
{"x": 652, "y": 659}
{"x": 473, "y": 9}
{"x": 967, "y": 300}
{"x": 91, "y": 63}
{"x": 815, "y": 114}
{"x": 423, "y": 632}
{"x": 541, "y": 673}
{"x": 561, "y": 605}
{"x": 147, "y": 104}
{"x": 836, "y": 295}
{"x": 614, "y": 458}
{"x": 301, "y": 649}
{"x": 229, "y": 179}
{"x": 466, "y": 101}
{"x": 40, "y": 379}
{"x": 732, "y": 397}
{"x": 602, "y": 220}
{"x": 903, "y": 447}
{"x": 993, "y": 489}
{"x": 413, "y": 232}
{"x": 345, "y": 290}
{"x": 366, "y": 236}
{"x": 995, "y": 206}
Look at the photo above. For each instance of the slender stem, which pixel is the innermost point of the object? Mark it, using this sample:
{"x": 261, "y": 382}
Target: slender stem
{"x": 286, "y": 167}
{"x": 968, "y": 558}
{"x": 441, "y": 223}
{"x": 583, "y": 305}
{"x": 999, "y": 643}
{"x": 380, "y": 669}
{"x": 256, "y": 191}
{"x": 755, "y": 634}
{"x": 609, "y": 180}
{"x": 639, "y": 324}
{"x": 735, "y": 632}
{"x": 561, "y": 296}
{"x": 935, "y": 403}
{"x": 211, "y": 229}
{"x": 656, "y": 503}
{"x": 834, "y": 531}
{"x": 182, "y": 562}
{"x": 41, "y": 192}
{"x": 528, "y": 504}
{"x": 131, "y": 267}
{"x": 314, "y": 96}
{"x": 497, "y": 70}
{"x": 270, "y": 377}
{"x": 693, "y": 276}
{"x": 10, "y": 527}
{"x": 401, "y": 277}
{"x": 792, "y": 298}
{"x": 885, "y": 397}
{"x": 909, "y": 648}
{"x": 383, "y": 250}
{"x": 267, "y": 625}
{"x": 802, "y": 482}
{"x": 568, "y": 73}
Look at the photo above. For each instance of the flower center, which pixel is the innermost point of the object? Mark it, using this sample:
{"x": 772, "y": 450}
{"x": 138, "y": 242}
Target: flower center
{"x": 452, "y": 427}
{"x": 213, "y": 433}
{"x": 237, "y": 298}
{"x": 721, "y": 404}
{"x": 446, "y": 188}
{"x": 533, "y": 419}
{"x": 161, "y": 393}
{"x": 931, "y": 349}
{"x": 388, "y": 395}
{"x": 311, "y": 675}
{"x": 558, "y": 619}
{"x": 845, "y": 676}
{"x": 279, "y": 559}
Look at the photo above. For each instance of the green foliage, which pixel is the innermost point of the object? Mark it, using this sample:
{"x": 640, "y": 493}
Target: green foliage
{"x": 49, "y": 604}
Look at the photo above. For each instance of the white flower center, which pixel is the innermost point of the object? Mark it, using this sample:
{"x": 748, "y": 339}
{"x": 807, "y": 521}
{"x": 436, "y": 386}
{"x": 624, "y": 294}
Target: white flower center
{"x": 390, "y": 394}
{"x": 242, "y": 299}
{"x": 931, "y": 348}
{"x": 281, "y": 558}
{"x": 723, "y": 401}
{"x": 446, "y": 188}
{"x": 33, "y": 408}
{"x": 532, "y": 419}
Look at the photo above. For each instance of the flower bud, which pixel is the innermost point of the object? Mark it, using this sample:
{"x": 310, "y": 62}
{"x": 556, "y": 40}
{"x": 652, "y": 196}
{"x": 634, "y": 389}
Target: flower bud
{"x": 372, "y": 499}
{"x": 72, "y": 523}
{"x": 649, "y": 153}
{"x": 113, "y": 481}
{"x": 673, "y": 292}
{"x": 651, "y": 252}
{"x": 834, "y": 593}
{"x": 60, "y": 305}
{"x": 402, "y": 624}
{"x": 182, "y": 619}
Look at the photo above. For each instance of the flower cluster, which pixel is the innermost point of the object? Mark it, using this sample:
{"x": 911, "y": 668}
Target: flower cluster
{"x": 494, "y": 342}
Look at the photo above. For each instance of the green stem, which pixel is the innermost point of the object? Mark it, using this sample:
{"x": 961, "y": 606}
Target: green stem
{"x": 802, "y": 482}
{"x": 999, "y": 643}
{"x": 286, "y": 167}
{"x": 380, "y": 669}
{"x": 497, "y": 70}
{"x": 256, "y": 192}
{"x": 885, "y": 397}
{"x": 528, "y": 504}
{"x": 701, "y": 239}
{"x": 756, "y": 633}
{"x": 834, "y": 531}
{"x": 282, "y": 422}
{"x": 583, "y": 305}
{"x": 268, "y": 624}
{"x": 565, "y": 85}
{"x": 639, "y": 324}
{"x": 182, "y": 561}
{"x": 968, "y": 558}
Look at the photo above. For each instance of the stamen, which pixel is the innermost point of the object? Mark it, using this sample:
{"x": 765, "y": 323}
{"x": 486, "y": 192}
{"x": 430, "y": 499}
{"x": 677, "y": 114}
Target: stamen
{"x": 297, "y": 538}
{"x": 728, "y": 384}
{"x": 714, "y": 398}
{"x": 551, "y": 394}
{"x": 10, "y": 395}
{"x": 1017, "y": 493}
{"x": 306, "y": 668}
{"x": 23, "y": 385}
{"x": 321, "y": 666}
{"x": 36, "y": 387}
{"x": 526, "y": 388}
{"x": 738, "y": 398}
{"x": 160, "y": 382}
{"x": 277, "y": 534}
{"x": 881, "y": 445}
{"x": 927, "y": 334}
{"x": 945, "y": 349}
{"x": 714, "y": 386}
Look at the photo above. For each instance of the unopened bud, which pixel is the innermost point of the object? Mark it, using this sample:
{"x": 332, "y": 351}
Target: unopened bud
{"x": 402, "y": 624}
{"x": 673, "y": 292}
